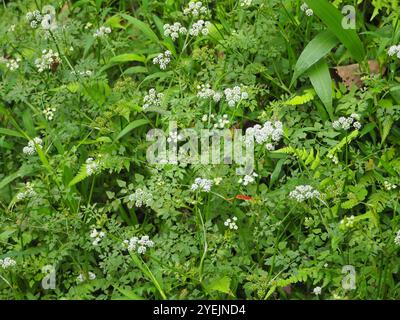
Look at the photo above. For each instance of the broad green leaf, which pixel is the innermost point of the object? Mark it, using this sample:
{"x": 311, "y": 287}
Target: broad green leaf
{"x": 135, "y": 70}
{"x": 22, "y": 172}
{"x": 126, "y": 57}
{"x": 143, "y": 27}
{"x": 333, "y": 18}
{"x": 131, "y": 126}
{"x": 221, "y": 285}
{"x": 315, "y": 50}
{"x": 9, "y": 132}
{"x": 322, "y": 83}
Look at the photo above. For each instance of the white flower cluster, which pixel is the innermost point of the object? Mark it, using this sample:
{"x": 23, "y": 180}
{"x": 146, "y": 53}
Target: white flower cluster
{"x": 304, "y": 7}
{"x": 199, "y": 27}
{"x": 205, "y": 92}
{"x": 141, "y": 197}
{"x": 163, "y": 59}
{"x": 12, "y": 64}
{"x": 231, "y": 223}
{"x": 139, "y": 245}
{"x": 102, "y": 31}
{"x": 195, "y": 9}
{"x": 245, "y": 3}
{"x": 153, "y": 99}
{"x": 303, "y": 192}
{"x": 97, "y": 236}
{"x": 7, "y": 263}
{"x": 347, "y": 222}
{"x": 202, "y": 185}
{"x": 346, "y": 123}
{"x": 270, "y": 133}
{"x": 82, "y": 277}
{"x": 86, "y": 73}
{"x": 49, "y": 113}
{"x": 394, "y": 50}
{"x": 30, "y": 148}
{"x": 221, "y": 123}
{"x": 174, "y": 30}
{"x": 27, "y": 193}
{"x": 49, "y": 22}
{"x": 317, "y": 291}
{"x": 91, "y": 166}
{"x": 47, "y": 60}
{"x": 234, "y": 95}
{"x": 397, "y": 238}
{"x": 248, "y": 179}
{"x": 389, "y": 186}
{"x": 34, "y": 18}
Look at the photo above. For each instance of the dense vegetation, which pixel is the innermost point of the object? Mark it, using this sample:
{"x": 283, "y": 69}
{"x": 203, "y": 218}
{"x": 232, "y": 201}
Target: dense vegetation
{"x": 85, "y": 215}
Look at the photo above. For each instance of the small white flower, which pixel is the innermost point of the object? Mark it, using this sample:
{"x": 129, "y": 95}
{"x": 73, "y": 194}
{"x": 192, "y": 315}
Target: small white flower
{"x": 195, "y": 8}
{"x": 163, "y": 59}
{"x": 199, "y": 27}
{"x": 47, "y": 60}
{"x": 96, "y": 236}
{"x": 7, "y": 263}
{"x": 202, "y": 185}
{"x": 153, "y": 99}
{"x": 344, "y": 123}
{"x": 231, "y": 223}
{"x": 234, "y": 95}
{"x": 174, "y": 30}
{"x": 102, "y": 32}
{"x": 139, "y": 245}
{"x": 394, "y": 50}
{"x": 30, "y": 149}
{"x": 92, "y": 166}
{"x": 317, "y": 291}
{"x": 304, "y": 192}
{"x": 397, "y": 238}
{"x": 141, "y": 197}
{"x": 248, "y": 179}
{"x": 49, "y": 113}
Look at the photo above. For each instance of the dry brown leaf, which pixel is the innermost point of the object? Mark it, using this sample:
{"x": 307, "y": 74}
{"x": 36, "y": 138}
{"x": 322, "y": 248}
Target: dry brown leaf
{"x": 351, "y": 74}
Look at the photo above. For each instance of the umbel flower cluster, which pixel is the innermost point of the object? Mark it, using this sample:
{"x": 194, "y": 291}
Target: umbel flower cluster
{"x": 304, "y": 192}
{"x": 153, "y": 99}
{"x": 48, "y": 61}
{"x": 304, "y": 7}
{"x": 27, "y": 193}
{"x": 141, "y": 197}
{"x": 270, "y": 133}
{"x": 248, "y": 179}
{"x": 97, "y": 236}
{"x": 199, "y": 27}
{"x": 344, "y": 123}
{"x": 11, "y": 64}
{"x": 30, "y": 148}
{"x": 205, "y": 92}
{"x": 174, "y": 30}
{"x": 163, "y": 59}
{"x": 91, "y": 166}
{"x": 139, "y": 245}
{"x": 234, "y": 95}
{"x": 34, "y": 18}
{"x": 102, "y": 32}
{"x": 201, "y": 184}
{"x": 195, "y": 9}
{"x": 231, "y": 223}
{"x": 7, "y": 263}
{"x": 394, "y": 50}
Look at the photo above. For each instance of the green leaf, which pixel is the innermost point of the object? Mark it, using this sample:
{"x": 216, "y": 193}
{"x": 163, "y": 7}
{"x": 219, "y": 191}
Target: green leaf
{"x": 9, "y": 132}
{"x": 322, "y": 83}
{"x": 333, "y": 18}
{"x": 126, "y": 57}
{"x": 143, "y": 27}
{"x": 22, "y": 172}
{"x": 316, "y": 49}
{"x": 220, "y": 284}
{"x": 135, "y": 70}
{"x": 131, "y": 126}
